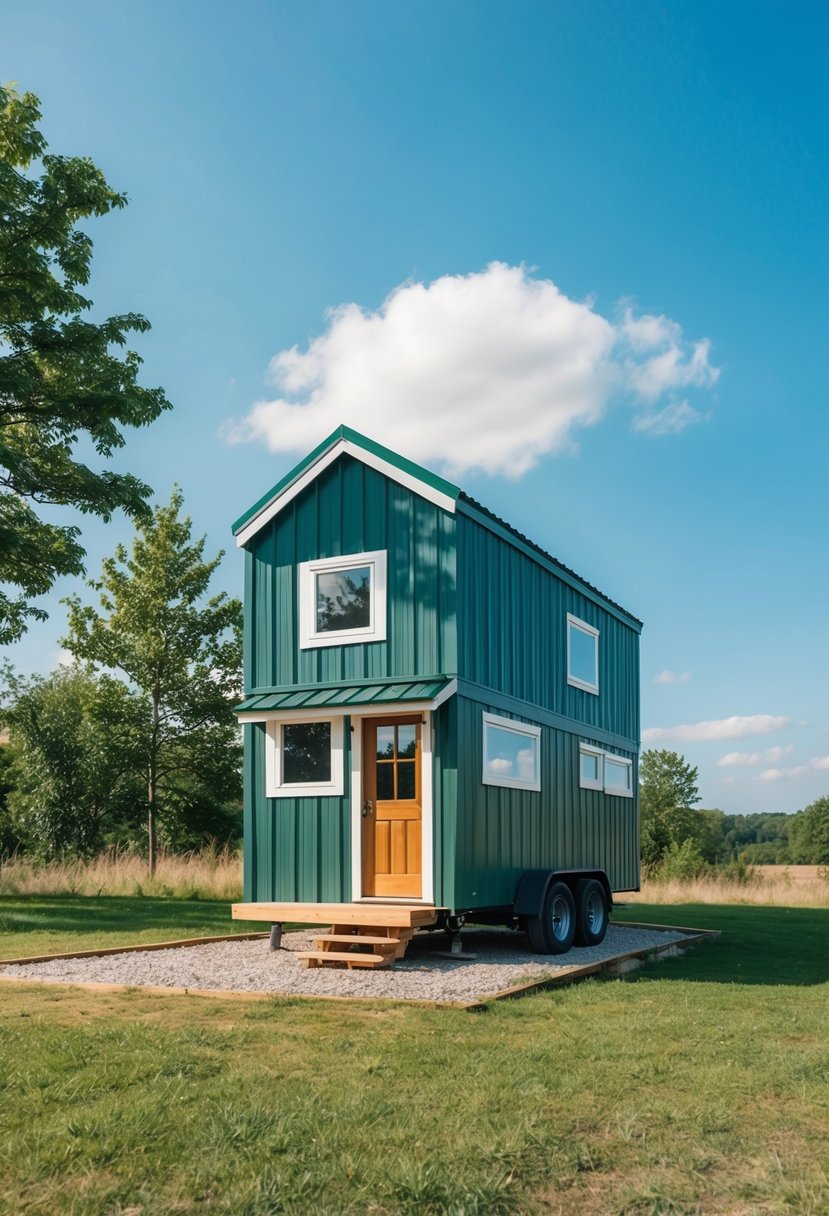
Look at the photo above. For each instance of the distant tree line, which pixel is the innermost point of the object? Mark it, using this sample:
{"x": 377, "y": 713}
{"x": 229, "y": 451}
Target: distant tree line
{"x": 680, "y": 839}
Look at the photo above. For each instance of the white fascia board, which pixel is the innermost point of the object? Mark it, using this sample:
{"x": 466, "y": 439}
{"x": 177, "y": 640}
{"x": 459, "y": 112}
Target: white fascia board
{"x": 342, "y": 447}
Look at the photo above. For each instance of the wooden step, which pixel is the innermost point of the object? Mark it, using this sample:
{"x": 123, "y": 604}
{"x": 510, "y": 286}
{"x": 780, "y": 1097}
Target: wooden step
{"x": 352, "y": 958}
{"x": 358, "y": 939}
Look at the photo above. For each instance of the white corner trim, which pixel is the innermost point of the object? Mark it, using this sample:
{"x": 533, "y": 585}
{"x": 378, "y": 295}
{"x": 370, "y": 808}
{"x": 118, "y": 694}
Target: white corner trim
{"x": 342, "y": 446}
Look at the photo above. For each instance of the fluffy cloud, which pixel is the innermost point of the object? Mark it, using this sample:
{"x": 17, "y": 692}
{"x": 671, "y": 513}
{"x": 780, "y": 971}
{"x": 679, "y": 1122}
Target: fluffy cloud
{"x": 672, "y": 677}
{"x": 489, "y": 370}
{"x": 718, "y": 728}
{"x": 746, "y": 759}
{"x": 789, "y": 774}
{"x": 668, "y": 421}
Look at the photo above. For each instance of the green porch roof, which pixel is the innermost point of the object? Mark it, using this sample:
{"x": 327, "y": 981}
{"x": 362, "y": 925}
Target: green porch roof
{"x": 339, "y": 695}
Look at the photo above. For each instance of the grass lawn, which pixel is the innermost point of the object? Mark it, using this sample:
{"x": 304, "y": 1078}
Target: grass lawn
{"x": 698, "y": 1085}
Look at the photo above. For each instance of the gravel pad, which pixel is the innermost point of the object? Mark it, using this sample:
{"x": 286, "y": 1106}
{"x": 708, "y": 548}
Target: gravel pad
{"x": 504, "y": 960}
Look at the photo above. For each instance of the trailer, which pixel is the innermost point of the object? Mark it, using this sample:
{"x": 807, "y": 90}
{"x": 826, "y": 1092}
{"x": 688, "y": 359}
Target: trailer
{"x": 441, "y": 720}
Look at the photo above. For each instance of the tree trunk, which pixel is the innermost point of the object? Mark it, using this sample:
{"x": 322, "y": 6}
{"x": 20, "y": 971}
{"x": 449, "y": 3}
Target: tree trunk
{"x": 152, "y": 779}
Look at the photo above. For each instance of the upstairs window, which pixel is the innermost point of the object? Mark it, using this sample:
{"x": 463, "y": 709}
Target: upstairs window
{"x": 512, "y": 753}
{"x": 342, "y": 600}
{"x": 582, "y": 655}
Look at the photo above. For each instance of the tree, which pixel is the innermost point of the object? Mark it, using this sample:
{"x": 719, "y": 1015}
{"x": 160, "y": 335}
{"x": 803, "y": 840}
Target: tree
{"x": 667, "y": 793}
{"x": 809, "y": 834}
{"x": 60, "y": 378}
{"x": 181, "y": 653}
{"x": 73, "y": 772}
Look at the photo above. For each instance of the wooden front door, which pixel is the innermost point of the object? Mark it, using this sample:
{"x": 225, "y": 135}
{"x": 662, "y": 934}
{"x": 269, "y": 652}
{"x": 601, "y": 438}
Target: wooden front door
{"x": 392, "y": 807}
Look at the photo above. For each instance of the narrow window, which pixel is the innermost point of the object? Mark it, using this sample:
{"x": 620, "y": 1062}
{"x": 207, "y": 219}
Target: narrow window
{"x": 342, "y": 600}
{"x": 512, "y": 753}
{"x": 304, "y": 759}
{"x": 582, "y": 654}
{"x": 591, "y": 760}
{"x": 618, "y": 776}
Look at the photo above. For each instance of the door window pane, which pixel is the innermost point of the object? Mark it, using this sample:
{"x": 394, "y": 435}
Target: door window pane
{"x": 385, "y": 781}
{"x": 343, "y": 599}
{"x": 406, "y": 779}
{"x": 385, "y": 742}
{"x": 406, "y": 740}
{"x": 306, "y": 753}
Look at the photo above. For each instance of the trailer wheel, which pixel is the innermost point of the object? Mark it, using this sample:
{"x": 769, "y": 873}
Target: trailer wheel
{"x": 591, "y": 912}
{"x": 552, "y": 932}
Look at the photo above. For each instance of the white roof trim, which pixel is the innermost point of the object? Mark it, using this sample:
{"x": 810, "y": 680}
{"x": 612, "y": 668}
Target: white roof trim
{"x": 342, "y": 447}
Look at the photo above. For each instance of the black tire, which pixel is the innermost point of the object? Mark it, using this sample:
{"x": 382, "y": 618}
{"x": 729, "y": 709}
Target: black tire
{"x": 552, "y": 932}
{"x": 591, "y": 912}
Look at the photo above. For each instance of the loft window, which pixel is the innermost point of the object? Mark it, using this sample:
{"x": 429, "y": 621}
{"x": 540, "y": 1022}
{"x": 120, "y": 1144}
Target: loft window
{"x": 304, "y": 759}
{"x": 591, "y": 761}
{"x": 512, "y": 753}
{"x": 342, "y": 600}
{"x": 582, "y": 654}
{"x": 618, "y": 776}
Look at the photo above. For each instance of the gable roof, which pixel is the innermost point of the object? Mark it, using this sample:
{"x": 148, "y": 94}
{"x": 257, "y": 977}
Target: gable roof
{"x": 414, "y": 477}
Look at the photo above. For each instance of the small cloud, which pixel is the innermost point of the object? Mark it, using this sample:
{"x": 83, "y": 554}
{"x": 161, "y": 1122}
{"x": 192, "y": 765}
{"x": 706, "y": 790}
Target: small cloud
{"x": 729, "y": 780}
{"x": 499, "y": 767}
{"x": 64, "y": 657}
{"x": 788, "y": 774}
{"x": 720, "y": 728}
{"x": 672, "y": 677}
{"x": 668, "y": 421}
{"x": 770, "y": 756}
{"x": 490, "y": 370}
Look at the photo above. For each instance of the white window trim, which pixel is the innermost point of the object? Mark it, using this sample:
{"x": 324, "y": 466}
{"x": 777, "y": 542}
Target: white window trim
{"x": 376, "y": 629}
{"x": 518, "y": 728}
{"x": 576, "y": 623}
{"x": 617, "y": 790}
{"x": 587, "y": 749}
{"x": 275, "y": 787}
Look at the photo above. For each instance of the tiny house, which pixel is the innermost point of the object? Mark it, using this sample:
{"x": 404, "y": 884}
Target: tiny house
{"x": 441, "y": 720}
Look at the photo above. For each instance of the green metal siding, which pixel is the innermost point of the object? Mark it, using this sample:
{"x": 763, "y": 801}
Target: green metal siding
{"x": 512, "y": 635}
{"x": 350, "y": 508}
{"x": 296, "y": 849}
{"x": 502, "y": 832}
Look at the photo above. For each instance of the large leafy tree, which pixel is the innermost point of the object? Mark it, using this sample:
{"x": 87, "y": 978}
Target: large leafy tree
{"x": 180, "y": 651}
{"x": 667, "y": 793}
{"x": 75, "y": 769}
{"x": 63, "y": 378}
{"x": 809, "y": 834}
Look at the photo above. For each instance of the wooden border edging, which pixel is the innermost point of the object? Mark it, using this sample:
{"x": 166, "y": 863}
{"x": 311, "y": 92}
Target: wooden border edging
{"x": 185, "y": 941}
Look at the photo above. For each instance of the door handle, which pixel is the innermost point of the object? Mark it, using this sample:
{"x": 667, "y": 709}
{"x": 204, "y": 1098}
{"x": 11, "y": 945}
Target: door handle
{"x": 368, "y": 807}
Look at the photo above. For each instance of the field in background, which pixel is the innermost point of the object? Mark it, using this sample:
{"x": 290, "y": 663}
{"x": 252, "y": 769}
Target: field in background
{"x": 217, "y": 874}
{"x": 697, "y": 1086}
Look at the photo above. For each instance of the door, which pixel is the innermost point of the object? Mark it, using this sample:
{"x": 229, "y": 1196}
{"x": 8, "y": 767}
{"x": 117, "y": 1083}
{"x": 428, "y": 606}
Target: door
{"x": 392, "y": 807}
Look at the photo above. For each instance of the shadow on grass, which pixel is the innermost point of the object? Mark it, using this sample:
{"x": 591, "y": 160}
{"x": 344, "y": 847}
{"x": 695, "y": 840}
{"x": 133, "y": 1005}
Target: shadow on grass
{"x": 759, "y": 945}
{"x": 110, "y": 914}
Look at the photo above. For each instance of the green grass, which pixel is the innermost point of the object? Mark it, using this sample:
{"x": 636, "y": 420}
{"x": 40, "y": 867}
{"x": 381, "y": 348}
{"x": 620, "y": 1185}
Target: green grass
{"x": 698, "y": 1085}
{"x": 53, "y": 924}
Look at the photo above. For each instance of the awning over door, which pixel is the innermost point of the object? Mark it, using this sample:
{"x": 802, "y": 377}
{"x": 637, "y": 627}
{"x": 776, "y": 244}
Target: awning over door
{"x": 345, "y": 696}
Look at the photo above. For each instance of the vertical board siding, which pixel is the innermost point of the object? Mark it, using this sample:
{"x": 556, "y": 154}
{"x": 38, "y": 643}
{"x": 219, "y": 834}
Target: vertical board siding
{"x": 502, "y": 832}
{"x": 351, "y": 508}
{"x": 296, "y": 849}
{"x": 512, "y": 635}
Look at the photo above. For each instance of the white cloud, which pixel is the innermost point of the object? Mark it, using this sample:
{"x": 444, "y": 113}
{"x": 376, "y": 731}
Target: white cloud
{"x": 672, "y": 677}
{"x": 668, "y": 421}
{"x": 789, "y": 774}
{"x": 499, "y": 766}
{"x": 64, "y": 657}
{"x": 720, "y": 728}
{"x": 770, "y": 756}
{"x": 490, "y": 370}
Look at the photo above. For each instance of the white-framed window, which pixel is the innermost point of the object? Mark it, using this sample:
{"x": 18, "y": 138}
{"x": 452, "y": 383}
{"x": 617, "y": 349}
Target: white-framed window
{"x": 512, "y": 753}
{"x": 582, "y": 654}
{"x": 591, "y": 767}
{"x": 304, "y": 759}
{"x": 618, "y": 775}
{"x": 342, "y": 600}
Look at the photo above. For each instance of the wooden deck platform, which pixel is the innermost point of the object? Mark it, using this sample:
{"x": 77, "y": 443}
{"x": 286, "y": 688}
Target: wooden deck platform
{"x": 391, "y": 915}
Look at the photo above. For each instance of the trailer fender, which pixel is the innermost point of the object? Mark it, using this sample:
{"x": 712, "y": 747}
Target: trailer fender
{"x": 533, "y": 884}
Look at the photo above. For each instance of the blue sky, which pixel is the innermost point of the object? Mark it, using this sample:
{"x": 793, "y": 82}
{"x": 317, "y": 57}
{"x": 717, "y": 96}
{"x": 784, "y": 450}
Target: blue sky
{"x": 439, "y": 167}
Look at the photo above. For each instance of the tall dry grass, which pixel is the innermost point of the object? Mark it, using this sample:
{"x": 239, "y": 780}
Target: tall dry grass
{"x": 207, "y": 874}
{"x": 774, "y": 886}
